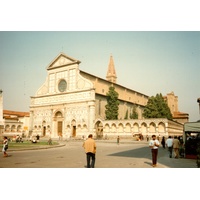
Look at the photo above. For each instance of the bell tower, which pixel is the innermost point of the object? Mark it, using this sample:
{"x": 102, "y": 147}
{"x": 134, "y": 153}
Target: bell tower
{"x": 111, "y": 73}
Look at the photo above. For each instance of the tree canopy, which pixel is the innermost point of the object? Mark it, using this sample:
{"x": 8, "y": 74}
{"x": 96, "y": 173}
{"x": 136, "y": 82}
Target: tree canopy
{"x": 134, "y": 114}
{"x": 157, "y": 108}
{"x": 112, "y": 106}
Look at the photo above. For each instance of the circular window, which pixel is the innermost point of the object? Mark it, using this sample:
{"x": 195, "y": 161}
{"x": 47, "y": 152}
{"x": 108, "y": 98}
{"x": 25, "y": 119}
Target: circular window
{"x": 62, "y": 86}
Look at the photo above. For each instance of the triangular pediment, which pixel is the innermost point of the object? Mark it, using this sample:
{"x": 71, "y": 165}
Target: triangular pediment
{"x": 62, "y": 60}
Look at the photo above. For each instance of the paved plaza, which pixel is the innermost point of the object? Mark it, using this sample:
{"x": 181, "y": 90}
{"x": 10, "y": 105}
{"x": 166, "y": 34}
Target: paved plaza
{"x": 70, "y": 154}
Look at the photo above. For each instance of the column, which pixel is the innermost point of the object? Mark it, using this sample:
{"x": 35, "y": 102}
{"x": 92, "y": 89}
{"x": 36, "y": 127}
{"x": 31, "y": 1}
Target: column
{"x": 91, "y": 116}
{"x": 1, "y": 113}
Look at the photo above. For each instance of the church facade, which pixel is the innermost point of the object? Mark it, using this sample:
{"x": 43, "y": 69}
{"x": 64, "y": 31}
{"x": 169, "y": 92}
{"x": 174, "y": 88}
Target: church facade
{"x": 71, "y": 103}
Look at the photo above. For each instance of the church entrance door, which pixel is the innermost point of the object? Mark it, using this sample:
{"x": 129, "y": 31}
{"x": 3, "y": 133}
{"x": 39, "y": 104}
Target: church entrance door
{"x": 44, "y": 131}
{"x": 74, "y": 131}
{"x": 58, "y": 123}
{"x": 73, "y": 128}
{"x": 59, "y": 128}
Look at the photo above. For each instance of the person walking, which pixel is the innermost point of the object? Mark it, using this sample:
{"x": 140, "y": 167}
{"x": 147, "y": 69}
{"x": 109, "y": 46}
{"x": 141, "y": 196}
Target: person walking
{"x": 169, "y": 144}
{"x": 5, "y": 146}
{"x": 163, "y": 142}
{"x": 154, "y": 144}
{"x": 181, "y": 147}
{"x": 176, "y": 145}
{"x": 90, "y": 149}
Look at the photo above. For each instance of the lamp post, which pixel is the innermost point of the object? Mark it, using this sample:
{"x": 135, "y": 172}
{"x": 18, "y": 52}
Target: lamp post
{"x": 1, "y": 113}
{"x": 198, "y": 101}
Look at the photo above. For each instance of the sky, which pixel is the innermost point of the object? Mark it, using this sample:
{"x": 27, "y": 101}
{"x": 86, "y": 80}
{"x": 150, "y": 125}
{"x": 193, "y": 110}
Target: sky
{"x": 149, "y": 62}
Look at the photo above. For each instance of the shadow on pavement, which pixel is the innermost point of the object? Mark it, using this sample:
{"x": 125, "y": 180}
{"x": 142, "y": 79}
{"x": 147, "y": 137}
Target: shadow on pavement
{"x": 163, "y": 157}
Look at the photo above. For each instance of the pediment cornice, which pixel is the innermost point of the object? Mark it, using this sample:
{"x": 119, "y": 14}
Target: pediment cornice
{"x": 62, "y": 60}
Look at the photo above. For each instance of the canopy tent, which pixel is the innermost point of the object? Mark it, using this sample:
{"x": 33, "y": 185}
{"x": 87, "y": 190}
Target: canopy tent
{"x": 192, "y": 127}
{"x": 191, "y": 138}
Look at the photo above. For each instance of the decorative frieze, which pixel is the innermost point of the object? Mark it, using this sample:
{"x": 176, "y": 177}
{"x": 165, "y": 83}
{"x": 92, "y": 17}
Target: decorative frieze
{"x": 65, "y": 98}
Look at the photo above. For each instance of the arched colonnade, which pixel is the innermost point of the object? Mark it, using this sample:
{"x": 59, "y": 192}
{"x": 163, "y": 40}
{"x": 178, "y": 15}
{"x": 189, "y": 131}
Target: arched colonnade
{"x": 129, "y": 128}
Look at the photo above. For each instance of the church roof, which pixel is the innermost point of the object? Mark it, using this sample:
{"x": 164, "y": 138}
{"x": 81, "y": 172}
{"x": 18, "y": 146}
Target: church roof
{"x": 114, "y": 84}
{"x": 15, "y": 113}
{"x": 180, "y": 115}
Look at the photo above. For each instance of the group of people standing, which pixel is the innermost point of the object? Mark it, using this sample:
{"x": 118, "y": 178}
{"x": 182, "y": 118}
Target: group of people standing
{"x": 173, "y": 144}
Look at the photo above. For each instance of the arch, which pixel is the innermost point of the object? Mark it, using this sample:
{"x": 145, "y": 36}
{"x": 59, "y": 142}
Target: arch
{"x": 107, "y": 128}
{"x": 7, "y": 128}
{"x": 19, "y": 128}
{"x": 128, "y": 128}
{"x": 44, "y": 128}
{"x": 121, "y": 128}
{"x": 13, "y": 128}
{"x": 79, "y": 127}
{"x": 57, "y": 124}
{"x": 152, "y": 127}
{"x": 85, "y": 127}
{"x": 135, "y": 128}
{"x": 68, "y": 128}
{"x": 99, "y": 129}
{"x": 73, "y": 123}
{"x": 161, "y": 127}
{"x": 113, "y": 128}
{"x": 144, "y": 128}
{"x": 58, "y": 114}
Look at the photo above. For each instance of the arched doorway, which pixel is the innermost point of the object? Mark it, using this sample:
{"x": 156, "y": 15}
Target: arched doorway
{"x": 73, "y": 128}
{"x": 99, "y": 129}
{"x": 44, "y": 128}
{"x": 59, "y": 123}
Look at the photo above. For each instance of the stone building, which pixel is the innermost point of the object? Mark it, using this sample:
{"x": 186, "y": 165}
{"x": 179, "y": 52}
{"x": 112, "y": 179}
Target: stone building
{"x": 172, "y": 102}
{"x": 71, "y": 103}
{"x": 16, "y": 123}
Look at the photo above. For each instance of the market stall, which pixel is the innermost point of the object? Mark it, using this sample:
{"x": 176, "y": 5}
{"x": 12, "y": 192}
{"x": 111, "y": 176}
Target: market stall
{"x": 191, "y": 137}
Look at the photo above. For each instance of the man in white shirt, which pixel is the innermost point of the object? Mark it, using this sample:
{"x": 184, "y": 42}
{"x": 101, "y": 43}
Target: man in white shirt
{"x": 154, "y": 144}
{"x": 169, "y": 144}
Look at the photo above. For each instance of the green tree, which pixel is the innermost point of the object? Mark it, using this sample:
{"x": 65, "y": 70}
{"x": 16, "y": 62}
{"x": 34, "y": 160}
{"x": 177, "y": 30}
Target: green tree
{"x": 157, "y": 108}
{"x": 126, "y": 116}
{"x": 112, "y": 106}
{"x": 134, "y": 114}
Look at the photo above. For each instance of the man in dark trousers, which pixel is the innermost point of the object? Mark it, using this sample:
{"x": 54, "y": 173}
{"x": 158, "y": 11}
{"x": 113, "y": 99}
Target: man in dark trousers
{"x": 90, "y": 149}
{"x": 154, "y": 144}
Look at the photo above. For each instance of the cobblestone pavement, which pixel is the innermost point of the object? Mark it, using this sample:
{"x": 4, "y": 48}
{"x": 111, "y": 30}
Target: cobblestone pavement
{"x": 128, "y": 154}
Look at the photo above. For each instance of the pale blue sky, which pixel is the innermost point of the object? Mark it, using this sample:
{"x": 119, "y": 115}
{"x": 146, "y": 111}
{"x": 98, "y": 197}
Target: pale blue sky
{"x": 148, "y": 62}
